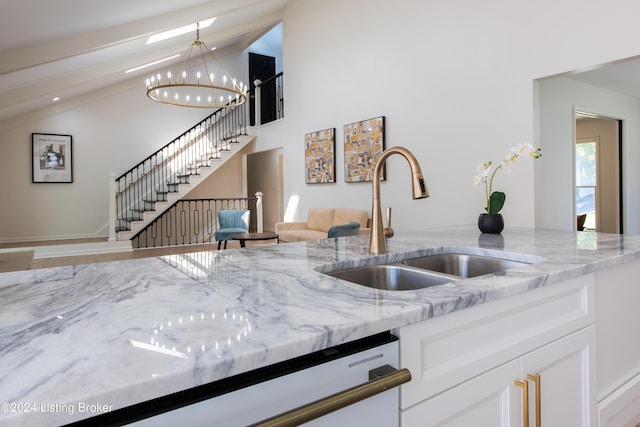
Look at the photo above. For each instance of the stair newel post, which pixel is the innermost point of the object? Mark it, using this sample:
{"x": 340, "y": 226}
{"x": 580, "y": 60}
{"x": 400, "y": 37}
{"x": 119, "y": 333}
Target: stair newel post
{"x": 112, "y": 207}
{"x": 257, "y": 102}
{"x": 259, "y": 211}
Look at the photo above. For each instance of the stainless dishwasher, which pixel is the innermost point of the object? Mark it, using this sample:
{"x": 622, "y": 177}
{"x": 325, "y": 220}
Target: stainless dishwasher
{"x": 365, "y": 366}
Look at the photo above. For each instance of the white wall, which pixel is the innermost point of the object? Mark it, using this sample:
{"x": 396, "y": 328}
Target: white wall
{"x": 453, "y": 78}
{"x": 555, "y": 193}
{"x": 455, "y": 81}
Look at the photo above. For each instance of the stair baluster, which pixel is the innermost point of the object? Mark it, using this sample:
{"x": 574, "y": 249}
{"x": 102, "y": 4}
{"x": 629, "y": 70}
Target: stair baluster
{"x": 153, "y": 180}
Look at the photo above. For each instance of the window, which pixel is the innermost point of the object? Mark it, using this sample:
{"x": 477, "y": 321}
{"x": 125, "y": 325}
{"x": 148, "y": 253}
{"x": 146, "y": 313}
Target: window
{"x": 586, "y": 181}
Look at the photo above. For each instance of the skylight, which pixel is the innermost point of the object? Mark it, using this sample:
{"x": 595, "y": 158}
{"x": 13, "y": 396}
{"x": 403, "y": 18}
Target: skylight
{"x": 179, "y": 31}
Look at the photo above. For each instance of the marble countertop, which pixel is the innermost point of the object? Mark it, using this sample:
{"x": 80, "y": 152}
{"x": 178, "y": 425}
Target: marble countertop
{"x": 76, "y": 341}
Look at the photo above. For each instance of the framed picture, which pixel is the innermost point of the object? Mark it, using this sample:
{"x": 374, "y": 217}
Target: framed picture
{"x": 51, "y": 158}
{"x": 363, "y": 144}
{"x": 319, "y": 157}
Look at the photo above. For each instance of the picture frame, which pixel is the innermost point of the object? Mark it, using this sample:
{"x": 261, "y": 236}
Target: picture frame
{"x": 319, "y": 156}
{"x": 51, "y": 158}
{"x": 363, "y": 144}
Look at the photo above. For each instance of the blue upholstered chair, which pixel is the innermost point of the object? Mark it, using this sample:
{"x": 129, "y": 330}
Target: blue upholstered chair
{"x": 350, "y": 229}
{"x": 230, "y": 223}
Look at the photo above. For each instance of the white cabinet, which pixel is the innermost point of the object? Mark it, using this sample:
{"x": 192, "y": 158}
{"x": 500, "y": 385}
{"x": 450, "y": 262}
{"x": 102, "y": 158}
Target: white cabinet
{"x": 493, "y": 398}
{"x": 618, "y": 335}
{"x": 465, "y": 365}
{"x": 567, "y": 386}
{"x": 621, "y": 408}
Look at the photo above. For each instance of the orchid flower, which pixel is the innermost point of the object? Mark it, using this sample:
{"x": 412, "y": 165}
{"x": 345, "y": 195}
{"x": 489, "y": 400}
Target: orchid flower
{"x": 486, "y": 173}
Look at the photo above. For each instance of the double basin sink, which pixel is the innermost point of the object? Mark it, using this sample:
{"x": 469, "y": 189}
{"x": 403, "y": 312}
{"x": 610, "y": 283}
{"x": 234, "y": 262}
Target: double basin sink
{"x": 425, "y": 271}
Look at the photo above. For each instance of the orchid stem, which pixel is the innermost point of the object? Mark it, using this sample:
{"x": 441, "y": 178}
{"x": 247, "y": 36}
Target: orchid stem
{"x": 489, "y": 187}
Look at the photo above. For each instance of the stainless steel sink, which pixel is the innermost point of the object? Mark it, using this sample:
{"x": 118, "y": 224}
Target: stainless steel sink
{"x": 462, "y": 265}
{"x": 392, "y": 277}
{"x": 426, "y": 271}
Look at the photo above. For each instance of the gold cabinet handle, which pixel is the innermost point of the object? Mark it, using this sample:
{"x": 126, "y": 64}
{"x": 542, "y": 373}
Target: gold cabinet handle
{"x": 337, "y": 401}
{"x": 524, "y": 384}
{"x": 536, "y": 379}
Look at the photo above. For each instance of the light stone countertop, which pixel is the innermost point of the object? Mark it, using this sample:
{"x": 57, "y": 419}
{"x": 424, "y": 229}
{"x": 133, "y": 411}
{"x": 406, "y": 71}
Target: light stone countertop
{"x": 118, "y": 333}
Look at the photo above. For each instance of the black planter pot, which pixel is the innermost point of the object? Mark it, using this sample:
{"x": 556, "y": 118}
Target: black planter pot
{"x": 493, "y": 224}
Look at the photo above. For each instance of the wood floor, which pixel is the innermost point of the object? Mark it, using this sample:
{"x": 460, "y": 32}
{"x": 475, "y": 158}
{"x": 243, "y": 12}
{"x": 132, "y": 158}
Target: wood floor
{"x": 17, "y": 259}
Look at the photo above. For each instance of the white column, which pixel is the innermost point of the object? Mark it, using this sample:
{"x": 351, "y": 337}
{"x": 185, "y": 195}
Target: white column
{"x": 259, "y": 211}
{"x": 112, "y": 207}
{"x": 257, "y": 102}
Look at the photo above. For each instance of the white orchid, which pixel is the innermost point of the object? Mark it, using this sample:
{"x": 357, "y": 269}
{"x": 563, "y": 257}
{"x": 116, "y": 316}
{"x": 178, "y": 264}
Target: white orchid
{"x": 483, "y": 170}
{"x": 496, "y": 199}
{"x": 525, "y": 149}
{"x": 509, "y": 160}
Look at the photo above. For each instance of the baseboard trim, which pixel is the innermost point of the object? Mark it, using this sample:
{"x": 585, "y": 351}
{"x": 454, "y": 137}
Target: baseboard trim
{"x": 55, "y": 251}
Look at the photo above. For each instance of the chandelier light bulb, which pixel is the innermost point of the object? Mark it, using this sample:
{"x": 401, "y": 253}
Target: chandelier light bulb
{"x": 221, "y": 100}
{"x": 211, "y": 78}
{"x": 176, "y": 96}
{"x": 159, "y": 77}
{"x": 198, "y": 99}
{"x": 224, "y": 81}
{"x": 169, "y": 76}
{"x": 187, "y": 98}
{"x": 198, "y": 77}
{"x": 209, "y": 99}
{"x": 166, "y": 95}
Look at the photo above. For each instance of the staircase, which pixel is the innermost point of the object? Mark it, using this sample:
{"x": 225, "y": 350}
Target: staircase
{"x": 150, "y": 188}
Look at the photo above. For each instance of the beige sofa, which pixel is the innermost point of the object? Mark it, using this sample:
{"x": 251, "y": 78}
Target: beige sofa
{"x": 318, "y": 222}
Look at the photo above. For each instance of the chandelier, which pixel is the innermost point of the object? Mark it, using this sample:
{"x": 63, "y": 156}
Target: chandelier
{"x": 196, "y": 90}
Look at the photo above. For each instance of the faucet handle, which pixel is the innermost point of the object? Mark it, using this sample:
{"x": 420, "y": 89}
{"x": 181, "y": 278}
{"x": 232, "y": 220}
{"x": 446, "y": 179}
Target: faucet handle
{"x": 388, "y": 231}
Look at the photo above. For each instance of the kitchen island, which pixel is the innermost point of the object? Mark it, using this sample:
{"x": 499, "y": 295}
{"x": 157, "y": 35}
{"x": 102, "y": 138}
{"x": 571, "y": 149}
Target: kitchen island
{"x": 80, "y": 340}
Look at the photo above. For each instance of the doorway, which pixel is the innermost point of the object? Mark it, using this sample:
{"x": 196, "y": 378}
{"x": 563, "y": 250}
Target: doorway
{"x": 261, "y": 67}
{"x": 264, "y": 171}
{"x": 598, "y": 173}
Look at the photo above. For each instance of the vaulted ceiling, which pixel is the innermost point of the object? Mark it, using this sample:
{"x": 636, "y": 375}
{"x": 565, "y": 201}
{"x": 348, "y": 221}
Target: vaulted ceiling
{"x": 65, "y": 48}
{"x": 621, "y": 76}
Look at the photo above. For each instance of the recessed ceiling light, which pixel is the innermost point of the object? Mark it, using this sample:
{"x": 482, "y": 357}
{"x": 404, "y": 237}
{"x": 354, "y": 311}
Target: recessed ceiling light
{"x": 179, "y": 31}
{"x": 57, "y": 98}
{"x": 152, "y": 63}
